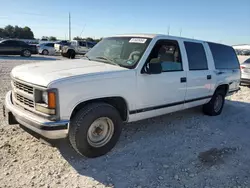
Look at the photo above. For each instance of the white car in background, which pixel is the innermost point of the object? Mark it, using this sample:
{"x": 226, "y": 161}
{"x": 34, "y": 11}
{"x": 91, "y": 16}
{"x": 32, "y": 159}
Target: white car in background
{"x": 245, "y": 71}
{"x": 46, "y": 48}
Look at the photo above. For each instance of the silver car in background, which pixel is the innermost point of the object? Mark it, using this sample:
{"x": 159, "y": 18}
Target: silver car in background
{"x": 245, "y": 71}
{"x": 46, "y": 48}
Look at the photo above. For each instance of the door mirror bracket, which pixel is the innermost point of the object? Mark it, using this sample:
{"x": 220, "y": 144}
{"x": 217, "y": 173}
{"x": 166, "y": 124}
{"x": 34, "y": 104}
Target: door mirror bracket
{"x": 152, "y": 68}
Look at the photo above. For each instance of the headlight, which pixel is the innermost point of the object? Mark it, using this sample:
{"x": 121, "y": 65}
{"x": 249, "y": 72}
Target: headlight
{"x": 45, "y": 97}
{"x": 47, "y": 102}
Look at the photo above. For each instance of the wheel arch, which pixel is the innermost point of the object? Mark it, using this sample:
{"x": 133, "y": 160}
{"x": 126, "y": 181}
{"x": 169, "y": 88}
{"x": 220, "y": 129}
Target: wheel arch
{"x": 116, "y": 101}
{"x": 224, "y": 87}
{"x": 70, "y": 49}
{"x": 45, "y": 50}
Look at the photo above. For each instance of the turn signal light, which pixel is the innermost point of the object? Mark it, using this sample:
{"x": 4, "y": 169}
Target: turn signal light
{"x": 51, "y": 100}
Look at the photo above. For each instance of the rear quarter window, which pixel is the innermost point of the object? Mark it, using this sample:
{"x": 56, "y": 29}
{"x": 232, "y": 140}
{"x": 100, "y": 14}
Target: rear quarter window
{"x": 224, "y": 56}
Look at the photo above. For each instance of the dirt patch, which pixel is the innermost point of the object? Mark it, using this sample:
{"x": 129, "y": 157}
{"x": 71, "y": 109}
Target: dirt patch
{"x": 215, "y": 156}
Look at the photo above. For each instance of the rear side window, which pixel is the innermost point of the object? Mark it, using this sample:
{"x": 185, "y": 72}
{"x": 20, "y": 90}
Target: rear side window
{"x": 21, "y": 43}
{"x": 82, "y": 43}
{"x": 90, "y": 45}
{"x": 197, "y": 58}
{"x": 224, "y": 56}
{"x": 50, "y": 45}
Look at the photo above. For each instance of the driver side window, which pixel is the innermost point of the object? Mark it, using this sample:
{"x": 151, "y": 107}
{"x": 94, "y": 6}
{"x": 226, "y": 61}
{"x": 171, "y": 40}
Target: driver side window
{"x": 166, "y": 52}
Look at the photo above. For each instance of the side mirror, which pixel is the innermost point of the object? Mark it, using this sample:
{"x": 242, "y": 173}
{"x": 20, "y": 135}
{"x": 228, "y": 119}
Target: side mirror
{"x": 154, "y": 68}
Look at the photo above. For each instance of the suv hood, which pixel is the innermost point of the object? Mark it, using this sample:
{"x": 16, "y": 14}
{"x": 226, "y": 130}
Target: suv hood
{"x": 43, "y": 73}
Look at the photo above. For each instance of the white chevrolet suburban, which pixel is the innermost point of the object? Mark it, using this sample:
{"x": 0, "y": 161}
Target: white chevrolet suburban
{"x": 124, "y": 78}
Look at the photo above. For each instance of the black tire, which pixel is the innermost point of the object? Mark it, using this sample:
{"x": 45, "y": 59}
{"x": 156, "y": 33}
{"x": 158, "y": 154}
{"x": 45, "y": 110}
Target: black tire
{"x": 81, "y": 122}
{"x": 26, "y": 53}
{"x": 45, "y": 52}
{"x": 210, "y": 109}
{"x": 71, "y": 54}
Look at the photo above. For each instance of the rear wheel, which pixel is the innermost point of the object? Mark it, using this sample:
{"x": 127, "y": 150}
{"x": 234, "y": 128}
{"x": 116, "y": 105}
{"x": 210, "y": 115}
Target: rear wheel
{"x": 95, "y": 129}
{"x": 26, "y": 53}
{"x": 45, "y": 52}
{"x": 216, "y": 104}
{"x": 71, "y": 54}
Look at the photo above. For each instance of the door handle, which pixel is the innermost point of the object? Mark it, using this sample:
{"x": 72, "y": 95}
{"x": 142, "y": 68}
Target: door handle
{"x": 209, "y": 77}
{"x": 183, "y": 79}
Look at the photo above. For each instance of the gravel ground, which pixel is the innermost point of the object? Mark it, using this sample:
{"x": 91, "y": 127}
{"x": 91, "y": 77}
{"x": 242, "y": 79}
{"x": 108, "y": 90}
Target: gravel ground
{"x": 183, "y": 149}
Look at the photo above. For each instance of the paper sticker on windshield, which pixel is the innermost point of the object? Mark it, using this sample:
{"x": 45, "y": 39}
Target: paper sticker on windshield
{"x": 137, "y": 40}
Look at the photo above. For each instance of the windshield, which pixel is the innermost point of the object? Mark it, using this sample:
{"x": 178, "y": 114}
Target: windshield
{"x": 247, "y": 61}
{"x": 122, "y": 51}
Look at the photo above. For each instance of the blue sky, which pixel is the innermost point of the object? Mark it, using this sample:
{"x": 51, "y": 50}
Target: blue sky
{"x": 226, "y": 21}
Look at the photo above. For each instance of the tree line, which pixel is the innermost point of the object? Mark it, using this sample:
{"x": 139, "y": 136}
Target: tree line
{"x": 17, "y": 32}
{"x": 10, "y": 31}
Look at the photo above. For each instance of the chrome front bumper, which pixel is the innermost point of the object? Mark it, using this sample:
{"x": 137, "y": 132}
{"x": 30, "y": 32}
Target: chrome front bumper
{"x": 42, "y": 126}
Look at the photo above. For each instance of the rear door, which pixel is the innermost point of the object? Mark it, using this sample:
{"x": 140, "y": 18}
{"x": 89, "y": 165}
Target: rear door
{"x": 50, "y": 47}
{"x": 199, "y": 76}
{"x": 14, "y": 47}
{"x": 82, "y": 47}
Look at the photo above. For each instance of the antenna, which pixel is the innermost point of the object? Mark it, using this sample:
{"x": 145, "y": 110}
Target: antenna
{"x": 69, "y": 27}
{"x": 180, "y": 32}
{"x": 168, "y": 29}
{"x": 82, "y": 30}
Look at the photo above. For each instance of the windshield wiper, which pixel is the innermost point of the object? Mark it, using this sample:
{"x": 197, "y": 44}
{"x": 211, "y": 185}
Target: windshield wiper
{"x": 87, "y": 57}
{"x": 110, "y": 61}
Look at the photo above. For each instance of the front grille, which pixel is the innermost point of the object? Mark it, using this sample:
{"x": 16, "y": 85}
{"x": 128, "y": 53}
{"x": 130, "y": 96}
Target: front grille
{"x": 25, "y": 101}
{"x": 23, "y": 87}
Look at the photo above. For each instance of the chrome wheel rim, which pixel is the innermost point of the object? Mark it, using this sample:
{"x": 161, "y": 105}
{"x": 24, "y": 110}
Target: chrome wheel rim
{"x": 100, "y": 132}
{"x": 26, "y": 53}
{"x": 218, "y": 103}
{"x": 45, "y": 52}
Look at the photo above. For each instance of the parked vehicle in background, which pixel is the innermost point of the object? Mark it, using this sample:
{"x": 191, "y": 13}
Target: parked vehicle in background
{"x": 46, "y": 48}
{"x": 76, "y": 47}
{"x": 123, "y": 78}
{"x": 245, "y": 71}
{"x": 58, "y": 45}
{"x": 17, "y": 47}
{"x": 245, "y": 52}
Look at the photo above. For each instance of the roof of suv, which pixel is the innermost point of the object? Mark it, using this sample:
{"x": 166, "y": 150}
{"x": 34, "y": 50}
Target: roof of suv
{"x": 162, "y": 35}
{"x": 154, "y": 35}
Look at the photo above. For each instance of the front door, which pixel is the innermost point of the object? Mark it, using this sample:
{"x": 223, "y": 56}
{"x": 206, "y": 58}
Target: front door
{"x": 165, "y": 92}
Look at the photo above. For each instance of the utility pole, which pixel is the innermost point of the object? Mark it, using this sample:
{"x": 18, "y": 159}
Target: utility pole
{"x": 168, "y": 29}
{"x": 69, "y": 27}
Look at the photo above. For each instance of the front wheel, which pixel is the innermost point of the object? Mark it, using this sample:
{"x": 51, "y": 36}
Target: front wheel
{"x": 95, "y": 129}
{"x": 216, "y": 104}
